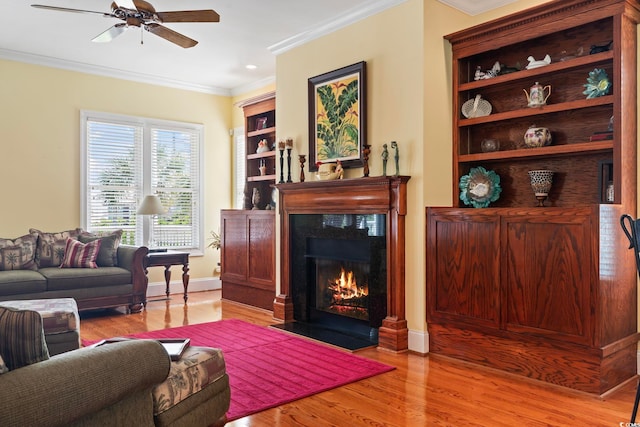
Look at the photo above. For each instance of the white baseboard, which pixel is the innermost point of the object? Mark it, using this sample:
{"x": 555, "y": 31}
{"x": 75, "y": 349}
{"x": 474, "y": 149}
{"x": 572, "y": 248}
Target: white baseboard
{"x": 157, "y": 289}
{"x": 419, "y": 341}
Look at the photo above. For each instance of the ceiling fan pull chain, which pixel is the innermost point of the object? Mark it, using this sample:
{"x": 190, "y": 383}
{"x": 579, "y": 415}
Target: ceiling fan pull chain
{"x": 141, "y": 35}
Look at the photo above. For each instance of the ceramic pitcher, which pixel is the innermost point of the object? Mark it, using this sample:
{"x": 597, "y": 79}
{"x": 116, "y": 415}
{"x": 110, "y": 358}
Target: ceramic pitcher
{"x": 536, "y": 96}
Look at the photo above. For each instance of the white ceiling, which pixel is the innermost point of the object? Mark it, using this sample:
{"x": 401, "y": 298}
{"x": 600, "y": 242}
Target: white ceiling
{"x": 249, "y": 32}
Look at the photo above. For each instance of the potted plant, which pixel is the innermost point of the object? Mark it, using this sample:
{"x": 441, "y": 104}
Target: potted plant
{"x": 214, "y": 243}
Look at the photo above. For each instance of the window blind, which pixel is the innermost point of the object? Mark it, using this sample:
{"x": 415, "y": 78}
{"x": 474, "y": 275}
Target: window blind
{"x": 126, "y": 158}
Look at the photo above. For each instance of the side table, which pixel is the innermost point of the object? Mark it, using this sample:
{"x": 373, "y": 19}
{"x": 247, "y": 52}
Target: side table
{"x": 166, "y": 260}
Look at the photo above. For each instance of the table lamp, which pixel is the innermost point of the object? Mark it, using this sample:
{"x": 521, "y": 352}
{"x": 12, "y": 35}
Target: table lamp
{"x": 150, "y": 206}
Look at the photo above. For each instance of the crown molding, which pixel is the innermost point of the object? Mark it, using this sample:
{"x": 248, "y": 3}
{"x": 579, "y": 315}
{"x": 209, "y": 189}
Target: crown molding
{"x": 327, "y": 27}
{"x": 475, "y": 7}
{"x": 47, "y": 61}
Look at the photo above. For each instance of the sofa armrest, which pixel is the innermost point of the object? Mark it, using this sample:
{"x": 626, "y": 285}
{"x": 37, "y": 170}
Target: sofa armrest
{"x": 80, "y": 382}
{"x": 133, "y": 259}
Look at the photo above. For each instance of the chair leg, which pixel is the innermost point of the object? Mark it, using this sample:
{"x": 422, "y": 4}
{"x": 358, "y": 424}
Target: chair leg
{"x": 635, "y": 405}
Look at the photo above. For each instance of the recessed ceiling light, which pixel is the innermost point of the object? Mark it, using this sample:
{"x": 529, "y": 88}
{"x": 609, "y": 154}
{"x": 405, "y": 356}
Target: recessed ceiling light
{"x": 251, "y": 67}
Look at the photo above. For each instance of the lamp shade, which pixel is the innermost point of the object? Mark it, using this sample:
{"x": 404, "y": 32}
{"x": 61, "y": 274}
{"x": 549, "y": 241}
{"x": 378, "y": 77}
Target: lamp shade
{"x": 151, "y": 205}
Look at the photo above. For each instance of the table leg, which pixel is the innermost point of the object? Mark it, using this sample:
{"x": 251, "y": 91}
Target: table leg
{"x": 167, "y": 277}
{"x": 185, "y": 280}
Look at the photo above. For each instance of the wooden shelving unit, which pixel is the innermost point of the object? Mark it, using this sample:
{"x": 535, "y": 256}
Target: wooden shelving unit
{"x": 546, "y": 292}
{"x": 248, "y": 235}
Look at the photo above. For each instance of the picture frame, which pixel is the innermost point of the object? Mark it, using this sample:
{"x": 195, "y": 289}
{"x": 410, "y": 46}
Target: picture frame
{"x": 261, "y": 123}
{"x": 337, "y": 117}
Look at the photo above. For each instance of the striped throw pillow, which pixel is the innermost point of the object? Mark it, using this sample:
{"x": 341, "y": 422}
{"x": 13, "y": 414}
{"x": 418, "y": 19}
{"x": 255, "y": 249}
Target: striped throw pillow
{"x": 21, "y": 337}
{"x": 80, "y": 255}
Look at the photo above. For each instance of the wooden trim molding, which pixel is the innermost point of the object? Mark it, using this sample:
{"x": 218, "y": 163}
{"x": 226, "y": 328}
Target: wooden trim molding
{"x": 370, "y": 195}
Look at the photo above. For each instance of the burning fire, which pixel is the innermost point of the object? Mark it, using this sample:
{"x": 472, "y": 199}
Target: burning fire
{"x": 345, "y": 287}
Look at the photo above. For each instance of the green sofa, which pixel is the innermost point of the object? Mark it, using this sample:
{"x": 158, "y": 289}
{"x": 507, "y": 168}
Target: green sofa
{"x": 110, "y": 385}
{"x": 124, "y": 383}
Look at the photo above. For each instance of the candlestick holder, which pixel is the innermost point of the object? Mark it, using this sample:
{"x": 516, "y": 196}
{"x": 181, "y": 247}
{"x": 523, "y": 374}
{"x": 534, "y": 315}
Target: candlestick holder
{"x": 289, "y": 165}
{"x": 302, "y": 159}
{"x": 281, "y": 148}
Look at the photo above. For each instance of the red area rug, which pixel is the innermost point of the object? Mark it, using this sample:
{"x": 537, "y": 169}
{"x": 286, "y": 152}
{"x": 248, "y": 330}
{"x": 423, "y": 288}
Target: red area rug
{"x": 268, "y": 368}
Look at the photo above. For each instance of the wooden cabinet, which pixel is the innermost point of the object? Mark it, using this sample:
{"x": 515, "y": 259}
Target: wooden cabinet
{"x": 545, "y": 292}
{"x": 248, "y": 257}
{"x": 260, "y": 125}
{"x": 248, "y": 236}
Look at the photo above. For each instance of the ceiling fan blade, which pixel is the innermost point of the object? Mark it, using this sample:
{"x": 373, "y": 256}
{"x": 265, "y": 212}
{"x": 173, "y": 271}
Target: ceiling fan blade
{"x": 110, "y": 34}
{"x": 66, "y": 9}
{"x": 170, "y": 35}
{"x": 189, "y": 16}
{"x": 142, "y": 5}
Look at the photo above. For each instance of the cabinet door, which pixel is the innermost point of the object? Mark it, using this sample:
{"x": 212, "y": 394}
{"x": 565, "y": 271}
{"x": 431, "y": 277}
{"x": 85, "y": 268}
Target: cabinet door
{"x": 463, "y": 267}
{"x": 261, "y": 269}
{"x": 234, "y": 248}
{"x": 546, "y": 276}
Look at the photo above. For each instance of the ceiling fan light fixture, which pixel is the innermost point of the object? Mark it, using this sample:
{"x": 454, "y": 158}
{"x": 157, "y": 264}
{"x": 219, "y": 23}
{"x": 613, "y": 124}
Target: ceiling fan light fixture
{"x": 139, "y": 13}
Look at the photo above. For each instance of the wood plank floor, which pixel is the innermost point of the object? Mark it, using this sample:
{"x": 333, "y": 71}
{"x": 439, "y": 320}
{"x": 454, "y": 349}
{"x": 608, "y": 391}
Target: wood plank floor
{"x": 421, "y": 391}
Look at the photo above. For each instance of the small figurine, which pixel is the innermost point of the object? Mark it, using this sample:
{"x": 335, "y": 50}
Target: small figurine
{"x": 339, "y": 170}
{"x": 263, "y": 146}
{"x": 366, "y": 150}
{"x": 489, "y": 74}
{"x": 385, "y": 157}
{"x": 302, "y": 158}
{"x": 394, "y": 145}
{"x": 535, "y": 64}
{"x": 601, "y": 48}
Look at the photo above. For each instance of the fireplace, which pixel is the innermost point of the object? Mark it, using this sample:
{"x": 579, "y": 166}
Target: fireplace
{"x": 342, "y": 258}
{"x": 338, "y": 273}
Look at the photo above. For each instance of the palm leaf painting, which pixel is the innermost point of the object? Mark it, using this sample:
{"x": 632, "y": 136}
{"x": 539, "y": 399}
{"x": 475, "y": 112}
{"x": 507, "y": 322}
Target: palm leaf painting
{"x": 336, "y": 116}
{"x": 337, "y": 120}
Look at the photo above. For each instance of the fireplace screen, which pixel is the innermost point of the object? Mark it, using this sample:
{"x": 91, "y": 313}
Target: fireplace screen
{"x": 342, "y": 288}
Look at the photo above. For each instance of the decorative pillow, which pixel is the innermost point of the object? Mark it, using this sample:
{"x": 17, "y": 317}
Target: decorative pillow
{"x": 18, "y": 254}
{"x": 21, "y": 337}
{"x": 108, "y": 255}
{"x": 80, "y": 255}
{"x": 51, "y": 246}
{"x": 3, "y": 367}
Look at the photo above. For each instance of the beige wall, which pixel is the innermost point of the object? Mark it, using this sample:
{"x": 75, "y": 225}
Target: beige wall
{"x": 40, "y": 144}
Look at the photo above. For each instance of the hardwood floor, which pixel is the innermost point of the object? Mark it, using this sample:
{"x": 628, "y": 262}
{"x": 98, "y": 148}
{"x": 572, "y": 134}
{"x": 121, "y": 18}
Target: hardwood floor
{"x": 421, "y": 391}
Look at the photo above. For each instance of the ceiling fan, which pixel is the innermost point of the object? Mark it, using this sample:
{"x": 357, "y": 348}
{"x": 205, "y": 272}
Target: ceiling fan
{"x": 139, "y": 13}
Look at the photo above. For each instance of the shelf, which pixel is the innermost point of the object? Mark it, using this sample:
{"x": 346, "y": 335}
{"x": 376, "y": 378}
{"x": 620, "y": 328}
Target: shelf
{"x": 266, "y": 154}
{"x": 538, "y": 111}
{"x": 552, "y": 150}
{"x": 592, "y": 60}
{"x": 261, "y": 178}
{"x": 261, "y": 131}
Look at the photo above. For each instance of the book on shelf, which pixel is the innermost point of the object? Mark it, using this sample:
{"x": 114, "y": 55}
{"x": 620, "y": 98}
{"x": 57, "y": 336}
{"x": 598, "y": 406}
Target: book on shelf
{"x": 601, "y": 136}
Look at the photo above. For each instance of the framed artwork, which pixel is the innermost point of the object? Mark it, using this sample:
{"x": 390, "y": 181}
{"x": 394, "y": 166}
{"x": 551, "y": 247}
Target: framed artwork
{"x": 337, "y": 117}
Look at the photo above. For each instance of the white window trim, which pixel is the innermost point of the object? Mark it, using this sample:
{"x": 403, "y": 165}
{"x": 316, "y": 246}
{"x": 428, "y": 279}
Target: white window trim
{"x": 86, "y": 115}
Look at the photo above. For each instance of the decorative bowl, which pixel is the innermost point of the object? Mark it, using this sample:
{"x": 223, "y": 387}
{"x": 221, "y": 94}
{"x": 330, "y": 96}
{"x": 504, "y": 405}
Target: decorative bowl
{"x": 480, "y": 187}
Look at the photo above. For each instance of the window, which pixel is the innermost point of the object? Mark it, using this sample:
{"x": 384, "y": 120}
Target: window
{"x": 240, "y": 168}
{"x": 125, "y": 158}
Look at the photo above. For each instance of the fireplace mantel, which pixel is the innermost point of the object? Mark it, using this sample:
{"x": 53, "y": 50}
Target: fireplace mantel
{"x": 368, "y": 195}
